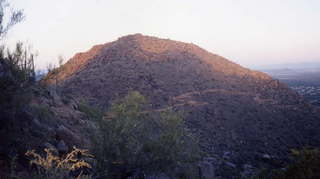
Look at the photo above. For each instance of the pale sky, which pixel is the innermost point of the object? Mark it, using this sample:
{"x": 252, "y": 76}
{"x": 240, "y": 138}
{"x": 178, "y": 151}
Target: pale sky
{"x": 249, "y": 32}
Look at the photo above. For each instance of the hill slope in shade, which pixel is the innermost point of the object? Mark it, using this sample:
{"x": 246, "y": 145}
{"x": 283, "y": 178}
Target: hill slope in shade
{"x": 235, "y": 110}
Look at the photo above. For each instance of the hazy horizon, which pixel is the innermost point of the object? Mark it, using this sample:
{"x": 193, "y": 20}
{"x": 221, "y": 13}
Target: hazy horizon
{"x": 248, "y": 32}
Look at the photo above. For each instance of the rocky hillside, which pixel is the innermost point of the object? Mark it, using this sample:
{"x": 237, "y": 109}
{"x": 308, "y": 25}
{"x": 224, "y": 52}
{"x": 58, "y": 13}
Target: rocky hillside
{"x": 240, "y": 114}
{"x": 35, "y": 117}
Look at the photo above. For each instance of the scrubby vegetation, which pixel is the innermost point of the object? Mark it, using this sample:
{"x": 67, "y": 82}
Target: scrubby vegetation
{"x": 93, "y": 113}
{"x": 132, "y": 138}
{"x": 17, "y": 74}
{"x": 52, "y": 166}
{"x": 16, "y": 80}
{"x": 16, "y": 69}
{"x": 304, "y": 164}
{"x": 135, "y": 141}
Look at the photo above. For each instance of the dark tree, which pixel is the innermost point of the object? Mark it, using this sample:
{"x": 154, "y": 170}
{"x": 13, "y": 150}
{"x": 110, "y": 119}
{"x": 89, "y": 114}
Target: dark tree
{"x": 8, "y": 17}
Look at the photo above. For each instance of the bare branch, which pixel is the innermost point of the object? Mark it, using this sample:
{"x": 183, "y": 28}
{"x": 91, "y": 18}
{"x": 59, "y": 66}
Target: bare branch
{"x": 15, "y": 16}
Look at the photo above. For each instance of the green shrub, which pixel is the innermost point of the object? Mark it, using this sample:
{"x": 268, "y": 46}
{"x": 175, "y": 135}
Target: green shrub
{"x": 133, "y": 138}
{"x": 92, "y": 113}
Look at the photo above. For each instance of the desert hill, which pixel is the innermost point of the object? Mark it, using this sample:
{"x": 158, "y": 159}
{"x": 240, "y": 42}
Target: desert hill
{"x": 237, "y": 112}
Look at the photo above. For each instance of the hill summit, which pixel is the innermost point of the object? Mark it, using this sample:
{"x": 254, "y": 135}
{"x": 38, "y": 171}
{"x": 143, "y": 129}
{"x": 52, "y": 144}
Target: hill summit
{"x": 237, "y": 112}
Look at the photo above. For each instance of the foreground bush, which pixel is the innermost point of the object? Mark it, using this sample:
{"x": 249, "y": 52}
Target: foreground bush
{"x": 16, "y": 76}
{"x": 73, "y": 165}
{"x": 134, "y": 140}
{"x": 305, "y": 164}
{"x": 16, "y": 81}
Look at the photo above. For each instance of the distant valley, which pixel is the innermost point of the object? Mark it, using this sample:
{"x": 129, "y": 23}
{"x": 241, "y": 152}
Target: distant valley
{"x": 305, "y": 81}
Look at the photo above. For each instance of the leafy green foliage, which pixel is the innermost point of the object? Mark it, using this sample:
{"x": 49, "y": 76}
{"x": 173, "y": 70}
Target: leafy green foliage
{"x": 135, "y": 139}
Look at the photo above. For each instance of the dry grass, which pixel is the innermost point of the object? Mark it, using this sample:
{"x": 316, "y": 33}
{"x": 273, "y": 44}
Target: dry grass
{"x": 53, "y": 166}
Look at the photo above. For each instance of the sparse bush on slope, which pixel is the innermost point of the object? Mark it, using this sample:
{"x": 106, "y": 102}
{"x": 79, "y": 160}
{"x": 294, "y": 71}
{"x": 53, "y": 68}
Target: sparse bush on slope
{"x": 93, "y": 113}
{"x": 134, "y": 140}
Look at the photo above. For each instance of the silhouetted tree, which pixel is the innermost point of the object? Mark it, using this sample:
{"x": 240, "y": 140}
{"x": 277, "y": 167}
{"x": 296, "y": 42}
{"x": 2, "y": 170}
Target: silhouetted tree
{"x": 14, "y": 17}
